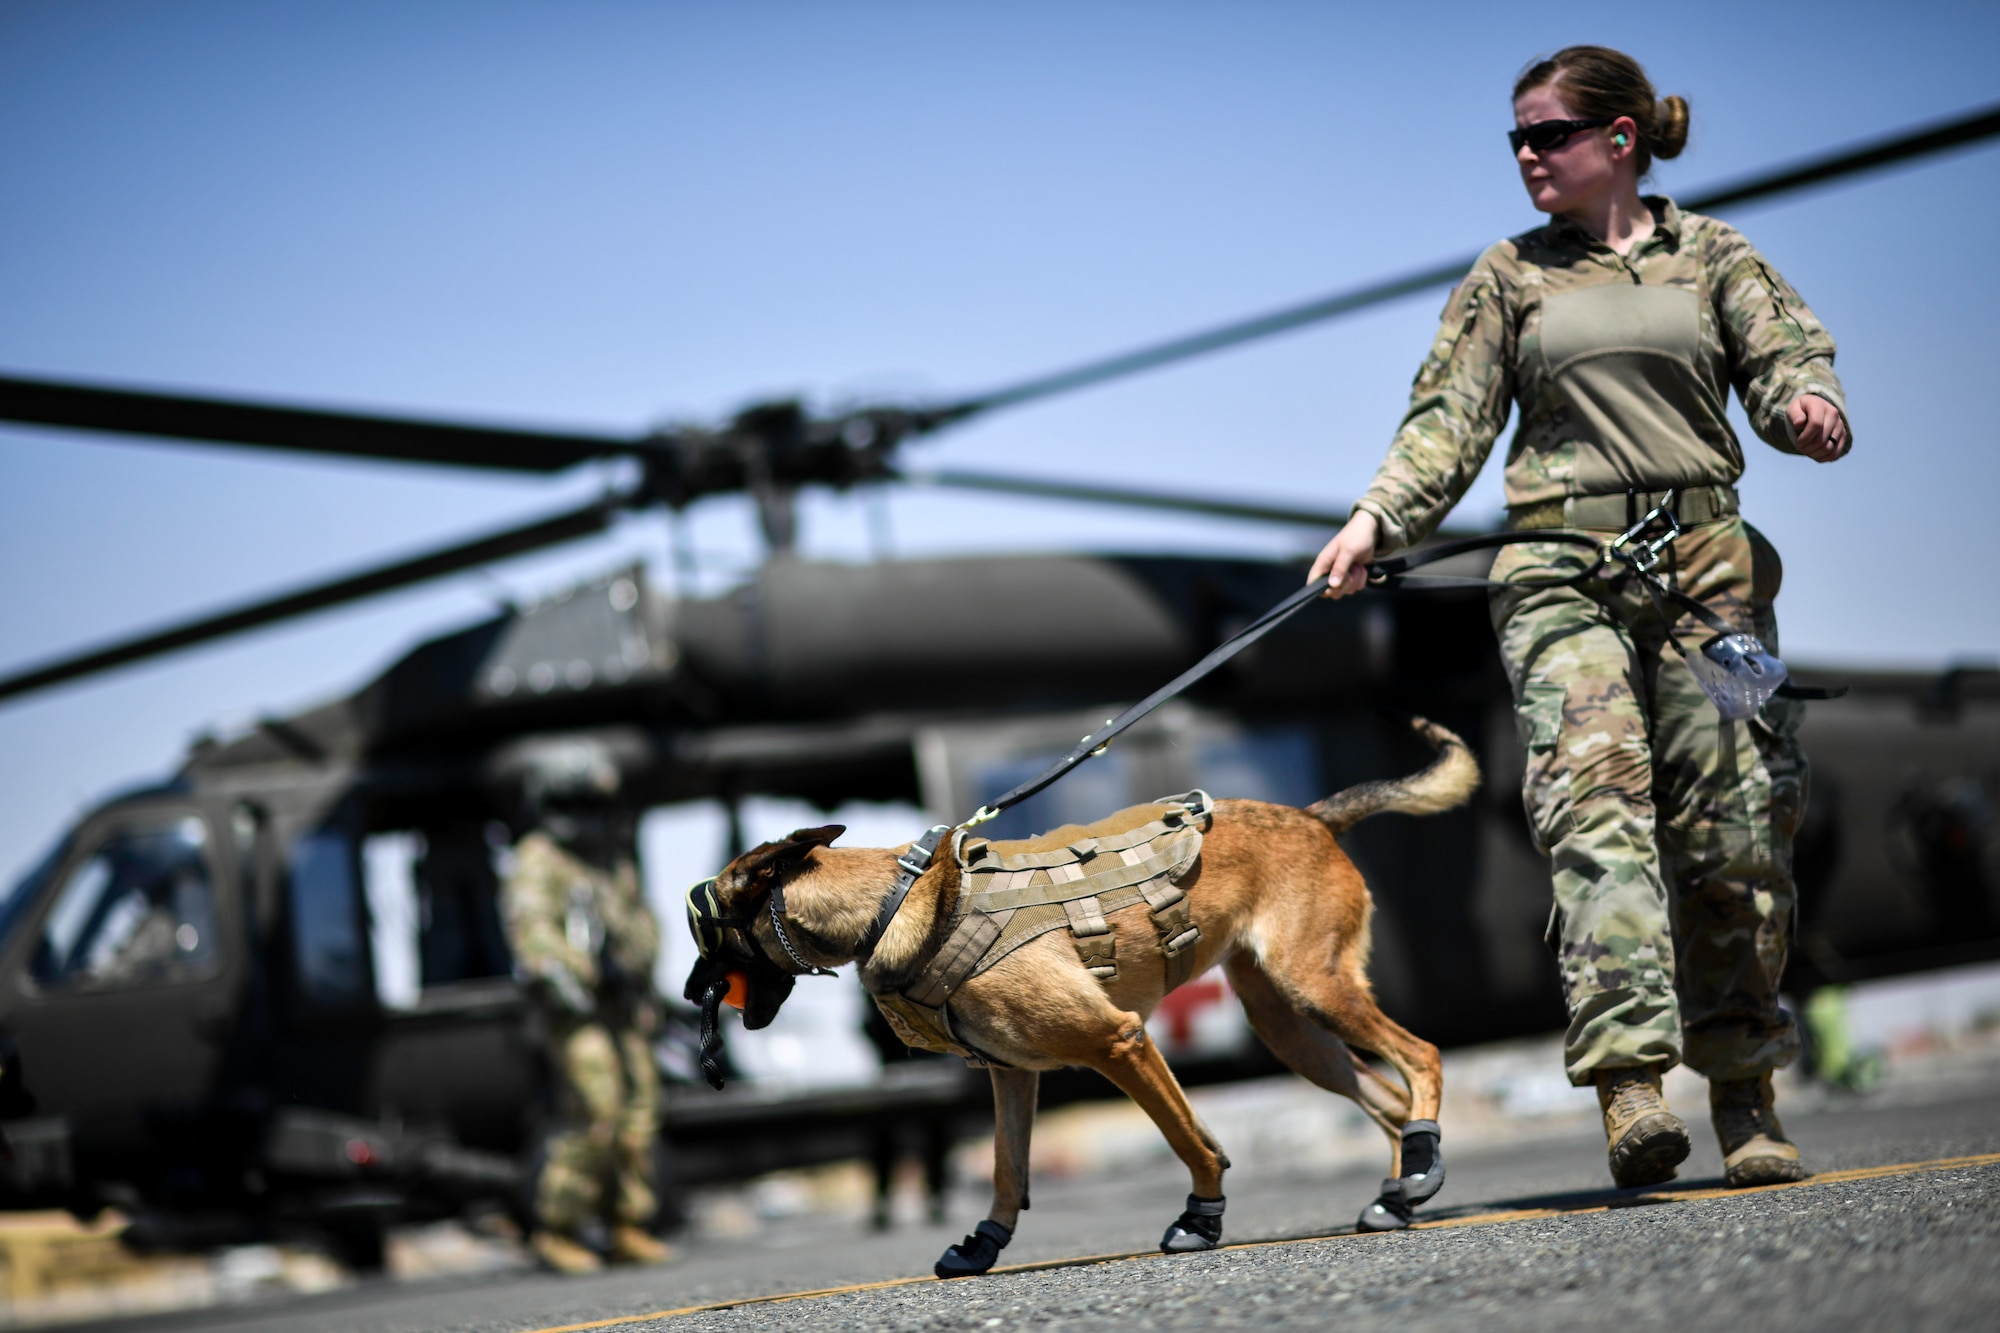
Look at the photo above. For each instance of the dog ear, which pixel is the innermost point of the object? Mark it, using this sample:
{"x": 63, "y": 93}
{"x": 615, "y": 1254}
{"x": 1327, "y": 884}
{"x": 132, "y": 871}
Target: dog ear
{"x": 770, "y": 857}
{"x": 805, "y": 839}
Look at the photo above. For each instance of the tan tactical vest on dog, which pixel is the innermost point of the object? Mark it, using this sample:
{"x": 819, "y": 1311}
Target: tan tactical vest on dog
{"x": 1074, "y": 879}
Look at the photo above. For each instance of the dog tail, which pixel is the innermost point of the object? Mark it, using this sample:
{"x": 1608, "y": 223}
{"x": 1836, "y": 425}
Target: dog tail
{"x": 1448, "y": 781}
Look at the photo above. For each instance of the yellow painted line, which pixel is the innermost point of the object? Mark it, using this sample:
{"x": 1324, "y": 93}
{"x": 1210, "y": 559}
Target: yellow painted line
{"x": 1432, "y": 1224}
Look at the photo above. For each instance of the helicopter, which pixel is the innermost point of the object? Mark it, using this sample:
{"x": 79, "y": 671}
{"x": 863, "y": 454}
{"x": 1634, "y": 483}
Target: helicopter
{"x": 194, "y": 1029}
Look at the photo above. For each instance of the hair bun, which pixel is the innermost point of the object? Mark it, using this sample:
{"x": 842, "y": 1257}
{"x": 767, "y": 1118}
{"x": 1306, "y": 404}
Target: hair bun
{"x": 1597, "y": 82}
{"x": 1670, "y": 126}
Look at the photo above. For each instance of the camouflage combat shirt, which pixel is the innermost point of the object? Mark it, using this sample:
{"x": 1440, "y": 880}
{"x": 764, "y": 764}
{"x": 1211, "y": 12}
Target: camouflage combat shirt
{"x": 1621, "y": 366}
{"x": 562, "y": 912}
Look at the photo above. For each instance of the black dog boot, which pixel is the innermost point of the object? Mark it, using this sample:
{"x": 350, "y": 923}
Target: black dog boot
{"x": 976, "y": 1253}
{"x": 1199, "y": 1228}
{"x": 1422, "y": 1178}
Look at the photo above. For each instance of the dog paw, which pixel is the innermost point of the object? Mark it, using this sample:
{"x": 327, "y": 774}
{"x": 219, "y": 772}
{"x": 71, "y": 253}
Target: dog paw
{"x": 1389, "y": 1212}
{"x": 1422, "y": 1178}
{"x": 976, "y": 1253}
{"x": 1199, "y": 1228}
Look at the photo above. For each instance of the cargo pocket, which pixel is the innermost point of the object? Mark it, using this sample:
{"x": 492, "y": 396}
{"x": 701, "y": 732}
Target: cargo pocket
{"x": 1545, "y": 794}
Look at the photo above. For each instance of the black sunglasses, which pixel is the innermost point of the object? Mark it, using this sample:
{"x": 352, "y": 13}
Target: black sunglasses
{"x": 1544, "y": 135}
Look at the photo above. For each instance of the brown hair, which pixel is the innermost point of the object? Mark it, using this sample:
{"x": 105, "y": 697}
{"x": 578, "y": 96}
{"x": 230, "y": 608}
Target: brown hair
{"x": 1598, "y": 81}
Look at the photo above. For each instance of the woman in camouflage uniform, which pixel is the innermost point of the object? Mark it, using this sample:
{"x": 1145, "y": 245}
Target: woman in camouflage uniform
{"x": 1617, "y": 329}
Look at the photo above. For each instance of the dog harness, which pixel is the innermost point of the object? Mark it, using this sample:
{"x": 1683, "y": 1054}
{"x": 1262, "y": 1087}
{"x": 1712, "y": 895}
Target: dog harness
{"x": 1013, "y": 892}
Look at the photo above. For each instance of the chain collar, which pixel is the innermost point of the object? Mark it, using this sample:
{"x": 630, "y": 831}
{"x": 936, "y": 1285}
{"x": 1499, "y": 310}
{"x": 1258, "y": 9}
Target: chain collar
{"x": 785, "y": 939}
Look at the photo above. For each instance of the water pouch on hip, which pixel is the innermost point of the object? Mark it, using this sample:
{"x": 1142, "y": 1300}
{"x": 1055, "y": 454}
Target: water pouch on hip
{"x": 1736, "y": 674}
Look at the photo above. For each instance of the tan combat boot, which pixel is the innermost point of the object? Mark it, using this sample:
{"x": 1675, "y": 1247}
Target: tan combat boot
{"x": 1754, "y": 1148}
{"x": 563, "y": 1254}
{"x": 1645, "y": 1139}
{"x": 635, "y": 1245}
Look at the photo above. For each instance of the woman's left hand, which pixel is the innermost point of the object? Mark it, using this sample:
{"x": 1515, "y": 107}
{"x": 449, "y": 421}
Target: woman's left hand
{"x": 1820, "y": 429}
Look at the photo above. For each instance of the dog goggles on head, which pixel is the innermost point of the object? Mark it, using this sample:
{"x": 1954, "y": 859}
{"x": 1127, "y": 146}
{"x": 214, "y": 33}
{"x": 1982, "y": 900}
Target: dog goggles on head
{"x": 706, "y": 919}
{"x": 713, "y": 981}
{"x": 708, "y": 924}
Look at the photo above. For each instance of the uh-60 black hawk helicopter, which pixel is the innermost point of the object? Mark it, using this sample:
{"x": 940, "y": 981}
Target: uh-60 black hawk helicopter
{"x": 190, "y": 1019}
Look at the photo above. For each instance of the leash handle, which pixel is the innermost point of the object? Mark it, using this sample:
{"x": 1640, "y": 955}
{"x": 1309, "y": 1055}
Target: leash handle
{"x": 1394, "y": 571}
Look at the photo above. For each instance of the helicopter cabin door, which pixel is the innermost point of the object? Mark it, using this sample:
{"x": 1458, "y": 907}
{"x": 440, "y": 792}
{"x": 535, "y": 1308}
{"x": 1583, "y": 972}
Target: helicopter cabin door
{"x": 121, "y": 981}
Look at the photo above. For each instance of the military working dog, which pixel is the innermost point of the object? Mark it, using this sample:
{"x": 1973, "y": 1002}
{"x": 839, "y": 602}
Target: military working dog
{"x": 1264, "y": 891}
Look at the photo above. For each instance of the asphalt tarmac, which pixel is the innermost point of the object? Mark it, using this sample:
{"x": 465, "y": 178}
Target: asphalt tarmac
{"x": 1901, "y": 1228}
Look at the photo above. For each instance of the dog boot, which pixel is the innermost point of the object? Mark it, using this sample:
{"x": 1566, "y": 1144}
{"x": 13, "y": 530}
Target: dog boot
{"x": 563, "y": 1254}
{"x": 1754, "y": 1148}
{"x": 976, "y": 1253}
{"x": 636, "y": 1245}
{"x": 1422, "y": 1178}
{"x": 1199, "y": 1228}
{"x": 1645, "y": 1140}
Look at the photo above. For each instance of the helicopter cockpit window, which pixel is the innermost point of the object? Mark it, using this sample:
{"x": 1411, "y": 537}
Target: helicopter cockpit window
{"x": 434, "y": 908}
{"x": 329, "y": 949}
{"x": 389, "y": 872}
{"x": 141, "y": 909}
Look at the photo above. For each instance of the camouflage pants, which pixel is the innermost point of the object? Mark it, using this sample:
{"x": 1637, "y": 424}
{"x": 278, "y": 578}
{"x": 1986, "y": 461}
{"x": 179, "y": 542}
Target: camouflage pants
{"x": 610, "y": 1109}
{"x": 1669, "y": 830}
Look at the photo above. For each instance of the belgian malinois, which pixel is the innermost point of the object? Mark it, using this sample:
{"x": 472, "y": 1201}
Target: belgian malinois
{"x": 1279, "y": 905}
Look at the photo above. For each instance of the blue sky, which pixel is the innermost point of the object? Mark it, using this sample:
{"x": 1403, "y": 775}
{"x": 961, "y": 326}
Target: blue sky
{"x": 615, "y": 214}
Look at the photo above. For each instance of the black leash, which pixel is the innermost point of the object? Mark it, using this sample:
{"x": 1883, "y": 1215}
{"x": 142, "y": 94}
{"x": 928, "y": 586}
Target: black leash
{"x": 1095, "y": 742}
{"x": 1394, "y": 571}
{"x": 1638, "y": 549}
{"x": 1388, "y": 573}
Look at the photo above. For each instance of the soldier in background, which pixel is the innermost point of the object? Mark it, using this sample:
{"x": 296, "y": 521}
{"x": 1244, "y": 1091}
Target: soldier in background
{"x": 585, "y": 942}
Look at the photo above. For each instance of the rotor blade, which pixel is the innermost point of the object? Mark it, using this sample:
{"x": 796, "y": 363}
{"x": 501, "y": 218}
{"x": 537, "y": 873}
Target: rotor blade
{"x": 1853, "y": 161}
{"x": 305, "y": 430}
{"x": 1966, "y": 129}
{"x": 1118, "y": 495}
{"x": 594, "y": 517}
{"x": 1229, "y": 335}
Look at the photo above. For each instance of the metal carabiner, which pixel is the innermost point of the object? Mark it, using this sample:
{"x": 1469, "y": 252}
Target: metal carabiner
{"x": 1646, "y": 552}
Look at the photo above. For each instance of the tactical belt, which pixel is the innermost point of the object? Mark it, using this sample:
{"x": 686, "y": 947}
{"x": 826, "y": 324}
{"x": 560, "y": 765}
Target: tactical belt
{"x": 1008, "y": 897}
{"x": 1692, "y": 505}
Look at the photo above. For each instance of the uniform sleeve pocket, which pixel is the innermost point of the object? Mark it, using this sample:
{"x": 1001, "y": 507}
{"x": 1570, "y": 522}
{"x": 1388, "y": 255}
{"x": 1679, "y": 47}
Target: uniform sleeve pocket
{"x": 1540, "y": 714}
